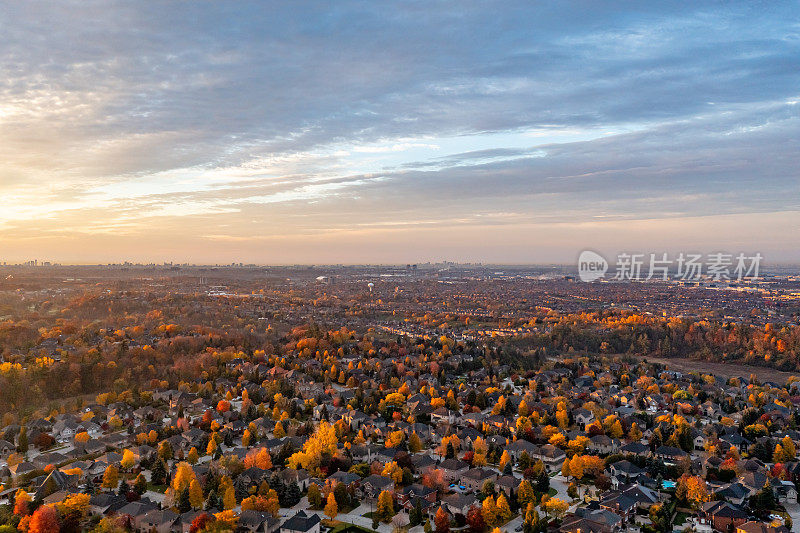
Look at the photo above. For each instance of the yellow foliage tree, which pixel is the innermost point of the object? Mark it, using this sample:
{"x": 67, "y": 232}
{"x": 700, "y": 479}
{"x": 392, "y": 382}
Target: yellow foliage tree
{"x": 331, "y": 508}
{"x": 489, "y": 511}
{"x": 555, "y": 507}
{"x": 503, "y": 509}
{"x": 229, "y": 499}
{"x": 414, "y": 443}
{"x": 195, "y": 494}
{"x": 110, "y": 477}
{"x": 395, "y": 439}
{"x": 128, "y": 460}
{"x": 184, "y": 475}
{"x": 193, "y": 456}
{"x": 324, "y": 441}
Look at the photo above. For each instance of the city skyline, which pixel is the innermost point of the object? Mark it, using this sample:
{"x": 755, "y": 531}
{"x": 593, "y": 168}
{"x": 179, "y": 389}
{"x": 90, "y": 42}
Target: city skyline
{"x": 504, "y": 133}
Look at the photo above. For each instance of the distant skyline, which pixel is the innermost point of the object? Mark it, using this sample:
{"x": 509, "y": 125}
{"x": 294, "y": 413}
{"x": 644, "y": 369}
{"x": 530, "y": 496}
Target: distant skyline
{"x": 503, "y": 132}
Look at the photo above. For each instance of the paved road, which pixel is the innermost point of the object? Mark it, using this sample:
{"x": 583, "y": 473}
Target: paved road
{"x": 794, "y": 512}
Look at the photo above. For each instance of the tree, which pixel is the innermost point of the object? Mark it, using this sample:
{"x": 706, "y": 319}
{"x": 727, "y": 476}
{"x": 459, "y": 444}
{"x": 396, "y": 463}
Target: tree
{"x": 211, "y": 449}
{"x": 323, "y": 442}
{"x": 414, "y": 443}
{"x": 22, "y": 440}
{"x": 195, "y": 494}
{"x": 110, "y": 477}
{"x": 331, "y": 508}
{"x": 226, "y": 520}
{"x": 635, "y": 433}
{"x": 200, "y": 522}
{"x": 73, "y": 509}
{"x": 785, "y": 451}
{"x": 165, "y": 451}
{"x": 258, "y": 458}
{"x": 385, "y": 508}
{"x": 489, "y": 511}
{"x": 44, "y": 520}
{"x": 692, "y": 489}
{"x": 435, "y": 479}
{"x": 159, "y": 473}
{"x": 22, "y": 503}
{"x": 395, "y": 439}
{"x": 565, "y": 467}
{"x": 576, "y": 467}
{"x": 229, "y": 498}
{"x": 314, "y": 496}
{"x": 184, "y": 501}
{"x": 193, "y": 456}
{"x": 392, "y": 470}
{"x": 503, "y": 509}
{"x": 532, "y": 523}
{"x": 82, "y": 437}
{"x": 504, "y": 459}
{"x": 184, "y": 475}
{"x": 128, "y": 460}
{"x": 279, "y": 432}
{"x": 555, "y": 507}
{"x": 442, "y": 521}
{"x": 475, "y": 520}
{"x": 140, "y": 485}
{"x": 525, "y": 493}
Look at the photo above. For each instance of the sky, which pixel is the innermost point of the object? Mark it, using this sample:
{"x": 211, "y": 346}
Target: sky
{"x": 377, "y": 132}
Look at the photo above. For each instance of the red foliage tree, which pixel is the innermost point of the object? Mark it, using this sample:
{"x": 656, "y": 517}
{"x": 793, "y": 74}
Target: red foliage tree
{"x": 442, "y": 521}
{"x": 475, "y": 519}
{"x": 200, "y": 521}
{"x": 44, "y": 520}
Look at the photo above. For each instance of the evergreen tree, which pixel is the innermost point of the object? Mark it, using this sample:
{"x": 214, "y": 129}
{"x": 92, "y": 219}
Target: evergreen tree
{"x": 184, "y": 503}
{"x": 159, "y": 473}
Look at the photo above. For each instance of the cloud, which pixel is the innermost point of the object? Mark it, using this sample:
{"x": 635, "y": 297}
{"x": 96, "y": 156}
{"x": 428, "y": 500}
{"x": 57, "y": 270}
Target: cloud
{"x": 248, "y": 119}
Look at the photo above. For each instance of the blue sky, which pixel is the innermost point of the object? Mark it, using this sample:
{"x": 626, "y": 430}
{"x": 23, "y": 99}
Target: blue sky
{"x": 374, "y": 132}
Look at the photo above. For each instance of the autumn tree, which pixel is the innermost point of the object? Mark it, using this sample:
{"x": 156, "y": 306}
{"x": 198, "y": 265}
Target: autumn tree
{"x": 475, "y": 520}
{"x": 414, "y": 443}
{"x": 184, "y": 475}
{"x": 441, "y": 521}
{"x": 229, "y": 498}
{"x": 331, "y": 508}
{"x": 489, "y": 511}
{"x": 44, "y": 520}
{"x": 259, "y": 458}
{"x": 128, "y": 460}
{"x": 21, "y": 503}
{"x": 314, "y": 496}
{"x": 196, "y": 494}
{"x": 692, "y": 489}
{"x": 193, "y": 457}
{"x": 110, "y": 477}
{"x": 385, "y": 509}
{"x": 503, "y": 509}
{"x": 555, "y": 507}
{"x": 525, "y": 493}
{"x": 323, "y": 442}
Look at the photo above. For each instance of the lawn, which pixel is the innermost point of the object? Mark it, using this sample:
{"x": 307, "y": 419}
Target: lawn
{"x": 680, "y": 518}
{"x": 343, "y": 527}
